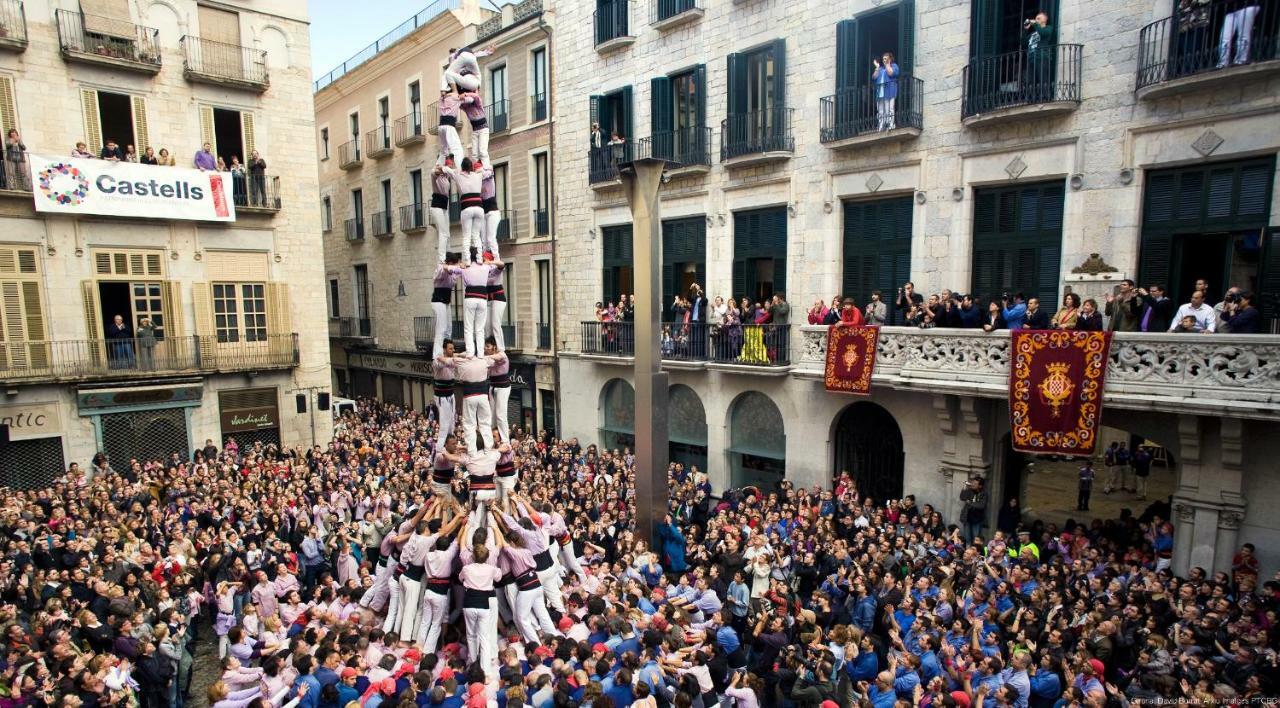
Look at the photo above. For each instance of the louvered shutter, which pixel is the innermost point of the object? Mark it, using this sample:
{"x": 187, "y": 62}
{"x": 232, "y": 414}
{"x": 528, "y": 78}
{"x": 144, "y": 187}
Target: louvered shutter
{"x": 8, "y": 106}
{"x": 1267, "y": 297}
{"x": 1159, "y": 196}
{"x": 700, "y": 86}
{"x": 780, "y": 275}
{"x": 207, "y": 134}
{"x": 906, "y": 35}
{"x": 173, "y": 321}
{"x": 628, "y": 109}
{"x": 92, "y": 321}
{"x": 984, "y": 28}
{"x": 141, "y": 139}
{"x": 1155, "y": 257}
{"x": 92, "y": 120}
{"x": 246, "y": 130}
{"x": 779, "y": 77}
{"x": 739, "y": 277}
{"x": 202, "y": 304}
{"x": 850, "y": 285}
{"x": 668, "y": 291}
{"x": 278, "y": 318}
{"x": 609, "y": 286}
{"x": 1191, "y": 195}
{"x": 846, "y": 53}
{"x": 1254, "y": 192}
{"x": 661, "y": 118}
{"x": 736, "y": 95}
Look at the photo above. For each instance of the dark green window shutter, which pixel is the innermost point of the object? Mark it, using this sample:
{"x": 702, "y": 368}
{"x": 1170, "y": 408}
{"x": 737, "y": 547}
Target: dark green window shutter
{"x": 1155, "y": 260}
{"x": 1159, "y": 196}
{"x": 736, "y": 84}
{"x": 906, "y": 35}
{"x": 1267, "y": 297}
{"x": 628, "y": 112}
{"x": 739, "y": 277}
{"x": 1255, "y": 189}
{"x": 700, "y": 86}
{"x": 846, "y": 54}
{"x": 779, "y": 75}
{"x": 600, "y": 112}
{"x": 1017, "y": 245}
{"x": 1220, "y": 204}
{"x": 668, "y": 291}
{"x": 780, "y": 275}
{"x": 661, "y": 117}
{"x": 984, "y": 29}
{"x": 1191, "y": 195}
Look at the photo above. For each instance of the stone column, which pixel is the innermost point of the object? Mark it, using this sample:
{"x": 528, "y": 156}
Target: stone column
{"x": 965, "y": 453}
{"x": 1209, "y": 506}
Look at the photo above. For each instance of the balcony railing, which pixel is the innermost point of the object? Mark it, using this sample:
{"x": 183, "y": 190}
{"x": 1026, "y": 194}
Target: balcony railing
{"x": 612, "y": 19}
{"x": 349, "y": 154}
{"x": 751, "y": 345}
{"x": 541, "y": 222}
{"x": 1191, "y": 43}
{"x": 354, "y": 229}
{"x": 1048, "y": 75}
{"x": 431, "y": 118}
{"x": 872, "y": 109}
{"x": 380, "y": 224}
{"x": 401, "y": 31}
{"x": 660, "y": 11}
{"x": 107, "y": 40}
{"x": 525, "y": 10}
{"x": 409, "y": 129}
{"x": 224, "y": 64}
{"x": 688, "y": 147}
{"x": 424, "y": 332}
{"x": 509, "y": 227}
{"x": 538, "y": 106}
{"x": 350, "y": 327}
{"x": 13, "y": 25}
{"x": 756, "y": 132}
{"x": 602, "y": 163}
{"x": 413, "y": 217}
{"x": 544, "y": 336}
{"x": 256, "y": 192}
{"x": 377, "y": 142}
{"x": 499, "y": 113}
{"x": 70, "y": 360}
{"x": 489, "y": 27}
{"x": 14, "y": 176}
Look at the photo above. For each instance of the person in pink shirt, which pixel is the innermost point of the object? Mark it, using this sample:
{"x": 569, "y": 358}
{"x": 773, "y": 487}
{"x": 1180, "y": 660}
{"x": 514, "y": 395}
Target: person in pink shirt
{"x": 473, "y": 107}
{"x": 478, "y": 578}
{"x": 450, "y": 145}
{"x": 438, "y": 564}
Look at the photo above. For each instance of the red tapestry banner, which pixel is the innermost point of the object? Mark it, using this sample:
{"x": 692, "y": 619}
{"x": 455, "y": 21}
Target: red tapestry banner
{"x": 851, "y": 358}
{"x": 1055, "y": 390}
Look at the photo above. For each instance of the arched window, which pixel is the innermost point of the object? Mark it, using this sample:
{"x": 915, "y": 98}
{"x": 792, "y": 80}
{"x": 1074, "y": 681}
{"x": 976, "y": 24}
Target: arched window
{"x": 687, "y": 427}
{"x": 618, "y": 415}
{"x": 757, "y": 442}
{"x": 869, "y": 446}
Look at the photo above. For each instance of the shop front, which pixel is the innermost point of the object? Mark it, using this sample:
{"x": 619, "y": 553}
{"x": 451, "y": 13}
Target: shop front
{"x": 250, "y": 415}
{"x": 30, "y": 445}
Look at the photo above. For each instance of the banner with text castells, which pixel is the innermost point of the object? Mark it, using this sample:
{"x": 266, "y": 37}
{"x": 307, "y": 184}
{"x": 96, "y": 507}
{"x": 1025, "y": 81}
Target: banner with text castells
{"x": 66, "y": 185}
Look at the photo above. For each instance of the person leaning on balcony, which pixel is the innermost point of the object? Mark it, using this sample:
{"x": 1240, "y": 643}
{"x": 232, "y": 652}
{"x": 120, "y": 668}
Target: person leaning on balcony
{"x": 130, "y": 154}
{"x": 1089, "y": 319}
{"x": 885, "y": 76}
{"x": 1205, "y": 318}
{"x": 969, "y": 315}
{"x": 14, "y": 173}
{"x": 877, "y": 311}
{"x": 1014, "y": 310}
{"x": 111, "y": 151}
{"x": 850, "y": 315}
{"x": 818, "y": 312}
{"x": 1239, "y": 316}
{"x": 204, "y": 159}
{"x": 1124, "y": 309}
{"x": 149, "y": 157}
{"x": 1159, "y": 309}
{"x": 1066, "y": 317}
{"x": 994, "y": 319}
{"x": 257, "y": 178}
{"x": 166, "y": 159}
{"x": 81, "y": 151}
{"x": 1036, "y": 318}
{"x": 146, "y": 334}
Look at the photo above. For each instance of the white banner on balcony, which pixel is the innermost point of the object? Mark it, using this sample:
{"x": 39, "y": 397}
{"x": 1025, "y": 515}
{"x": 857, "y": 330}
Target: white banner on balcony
{"x": 64, "y": 185}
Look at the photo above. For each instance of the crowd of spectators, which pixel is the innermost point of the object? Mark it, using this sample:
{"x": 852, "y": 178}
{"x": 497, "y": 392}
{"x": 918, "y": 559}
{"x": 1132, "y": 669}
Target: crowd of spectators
{"x": 750, "y": 597}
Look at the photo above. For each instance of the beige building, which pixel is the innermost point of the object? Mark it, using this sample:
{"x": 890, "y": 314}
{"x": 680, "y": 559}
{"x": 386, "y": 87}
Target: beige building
{"x": 236, "y": 305}
{"x": 375, "y": 124}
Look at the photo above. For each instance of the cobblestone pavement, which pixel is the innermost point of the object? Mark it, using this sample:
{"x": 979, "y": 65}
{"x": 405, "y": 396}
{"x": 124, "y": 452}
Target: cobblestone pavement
{"x": 1051, "y": 493}
{"x": 205, "y": 669}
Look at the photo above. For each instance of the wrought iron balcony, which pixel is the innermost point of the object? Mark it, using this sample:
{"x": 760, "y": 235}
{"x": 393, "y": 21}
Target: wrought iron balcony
{"x": 349, "y": 155}
{"x": 499, "y": 113}
{"x": 538, "y": 107}
{"x": 666, "y": 14}
{"x": 413, "y": 218}
{"x": 1019, "y": 84}
{"x": 224, "y": 64}
{"x": 431, "y": 118}
{"x": 541, "y": 222}
{"x": 424, "y": 332}
{"x": 1185, "y": 51}
{"x": 603, "y": 162}
{"x": 13, "y": 25}
{"x": 354, "y": 229}
{"x": 544, "y": 336}
{"x": 108, "y": 41}
{"x": 685, "y": 149}
{"x": 377, "y": 142}
{"x": 613, "y": 25}
{"x": 380, "y": 224}
{"x": 508, "y": 228}
{"x": 256, "y": 193}
{"x": 765, "y": 345}
{"x": 15, "y": 178}
{"x": 757, "y": 136}
{"x": 95, "y": 359}
{"x": 873, "y": 113}
{"x": 351, "y": 327}
{"x": 409, "y": 129}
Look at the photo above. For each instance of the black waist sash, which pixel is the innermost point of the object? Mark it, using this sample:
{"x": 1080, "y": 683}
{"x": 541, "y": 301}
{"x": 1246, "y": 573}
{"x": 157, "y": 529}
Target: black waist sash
{"x": 477, "y": 599}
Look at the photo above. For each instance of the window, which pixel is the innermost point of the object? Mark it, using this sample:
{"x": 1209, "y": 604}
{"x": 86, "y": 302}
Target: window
{"x": 541, "y": 196}
{"x": 618, "y": 268}
{"x": 760, "y": 253}
{"x": 538, "y": 83}
{"x": 877, "y": 250}
{"x": 230, "y": 132}
{"x": 677, "y": 117}
{"x": 326, "y": 214}
{"x": 509, "y": 286}
{"x": 362, "y": 299}
{"x": 354, "y": 121}
{"x": 357, "y": 204}
{"x": 324, "y": 143}
{"x": 240, "y": 312}
{"x": 1017, "y": 241}
{"x": 415, "y": 106}
{"x": 22, "y": 321}
{"x": 544, "y": 303}
{"x": 498, "y": 108}
{"x": 500, "y": 185}
{"x": 684, "y": 253}
{"x": 384, "y": 120}
{"x": 613, "y": 113}
{"x": 148, "y": 301}
{"x": 415, "y": 187}
{"x": 334, "y": 299}
{"x": 758, "y": 120}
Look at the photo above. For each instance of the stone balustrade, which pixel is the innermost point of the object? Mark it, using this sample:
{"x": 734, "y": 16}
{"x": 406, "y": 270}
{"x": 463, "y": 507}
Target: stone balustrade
{"x": 1211, "y": 374}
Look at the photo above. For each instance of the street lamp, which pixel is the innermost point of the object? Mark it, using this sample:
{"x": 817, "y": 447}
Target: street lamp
{"x": 641, "y": 179}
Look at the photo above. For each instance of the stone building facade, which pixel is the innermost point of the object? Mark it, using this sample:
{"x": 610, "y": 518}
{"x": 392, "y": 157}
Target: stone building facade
{"x": 237, "y": 305}
{"x": 1005, "y": 166}
{"x": 378, "y": 122}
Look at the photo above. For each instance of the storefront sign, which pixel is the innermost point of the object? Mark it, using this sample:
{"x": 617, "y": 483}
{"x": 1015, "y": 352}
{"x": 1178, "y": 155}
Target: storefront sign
{"x": 142, "y": 397}
{"x": 522, "y": 376}
{"x": 239, "y": 421}
{"x": 28, "y": 421}
{"x": 64, "y": 185}
{"x": 391, "y": 364}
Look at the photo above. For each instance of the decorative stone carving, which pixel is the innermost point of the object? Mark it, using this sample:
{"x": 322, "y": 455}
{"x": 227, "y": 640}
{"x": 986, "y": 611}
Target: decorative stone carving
{"x": 874, "y": 183}
{"x": 1094, "y": 265}
{"x": 814, "y": 346}
{"x": 1015, "y": 168}
{"x": 1230, "y": 519}
{"x": 1207, "y": 143}
{"x": 1195, "y": 365}
{"x": 1185, "y": 512}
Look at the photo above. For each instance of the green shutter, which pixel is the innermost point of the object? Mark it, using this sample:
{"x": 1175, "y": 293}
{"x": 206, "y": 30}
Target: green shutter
{"x": 668, "y": 290}
{"x": 846, "y": 54}
{"x": 739, "y": 277}
{"x": 984, "y": 29}
{"x": 736, "y": 91}
{"x": 610, "y": 285}
{"x": 700, "y": 85}
{"x": 907, "y": 35}
{"x": 628, "y": 111}
{"x": 1155, "y": 259}
{"x": 779, "y": 75}
{"x": 780, "y": 275}
{"x": 661, "y": 118}
{"x": 1017, "y": 245}
{"x": 1267, "y": 296}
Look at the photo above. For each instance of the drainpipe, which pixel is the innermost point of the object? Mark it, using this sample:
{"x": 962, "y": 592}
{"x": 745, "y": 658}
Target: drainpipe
{"x": 555, "y": 197}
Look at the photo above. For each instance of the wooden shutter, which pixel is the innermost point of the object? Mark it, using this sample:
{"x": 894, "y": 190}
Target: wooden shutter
{"x": 8, "y": 106}
{"x": 1155, "y": 258}
{"x": 1254, "y": 192}
{"x": 172, "y": 299}
{"x": 23, "y": 335}
{"x": 984, "y": 28}
{"x": 92, "y": 321}
{"x": 661, "y": 109}
{"x": 700, "y": 86}
{"x": 846, "y": 55}
{"x": 736, "y": 89}
{"x": 246, "y": 131}
{"x": 207, "y": 134}
{"x": 143, "y": 264}
{"x": 278, "y": 318}
{"x": 907, "y": 35}
{"x": 597, "y": 104}
{"x": 779, "y": 77}
{"x": 205, "y": 332}
{"x": 92, "y": 121}
{"x": 219, "y": 25}
{"x": 628, "y": 111}
{"x": 140, "y": 138}
{"x": 609, "y": 285}
{"x": 739, "y": 277}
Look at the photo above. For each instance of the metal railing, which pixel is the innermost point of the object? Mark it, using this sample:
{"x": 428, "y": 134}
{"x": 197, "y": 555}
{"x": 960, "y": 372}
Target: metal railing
{"x": 872, "y": 109}
{"x": 13, "y": 23}
{"x": 508, "y": 228}
{"x": 609, "y": 338}
{"x": 424, "y": 332}
{"x": 544, "y": 336}
{"x": 525, "y": 10}
{"x": 602, "y": 163}
{"x": 92, "y": 36}
{"x": 14, "y": 176}
{"x": 349, "y": 154}
{"x": 687, "y": 147}
{"x": 1192, "y": 42}
{"x": 115, "y": 358}
{"x": 747, "y": 344}
{"x": 408, "y": 128}
{"x": 220, "y": 61}
{"x": 752, "y": 344}
{"x": 684, "y": 341}
{"x": 350, "y": 327}
{"x": 380, "y": 223}
{"x": 541, "y": 221}
{"x": 250, "y": 191}
{"x": 661, "y": 10}
{"x": 499, "y": 113}
{"x": 413, "y": 217}
{"x": 768, "y": 130}
{"x": 431, "y": 118}
{"x": 378, "y": 141}
{"x": 612, "y": 20}
{"x": 1048, "y": 75}
{"x": 400, "y": 32}
{"x": 354, "y": 229}
{"x": 538, "y": 106}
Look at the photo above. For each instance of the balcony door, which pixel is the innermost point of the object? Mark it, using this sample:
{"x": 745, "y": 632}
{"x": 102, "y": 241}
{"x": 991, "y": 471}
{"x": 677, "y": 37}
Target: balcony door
{"x": 684, "y": 252}
{"x": 757, "y": 99}
{"x": 362, "y": 300}
{"x": 760, "y": 253}
{"x": 221, "y": 53}
{"x": 1017, "y": 241}
{"x": 877, "y": 250}
{"x": 998, "y": 75}
{"x": 678, "y": 110}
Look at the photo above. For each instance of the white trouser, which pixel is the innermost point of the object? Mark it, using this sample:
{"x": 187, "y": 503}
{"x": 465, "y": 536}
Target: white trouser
{"x": 393, "y": 606}
{"x": 884, "y": 112}
{"x": 507, "y": 602}
{"x": 475, "y": 317}
{"x": 440, "y": 311}
{"x": 479, "y": 518}
{"x": 475, "y": 414}
{"x": 473, "y": 230}
{"x": 378, "y": 595}
{"x": 465, "y": 82}
{"x": 450, "y": 144}
{"x": 448, "y": 418}
{"x": 551, "y": 584}
{"x": 480, "y": 145}
{"x": 497, "y": 309}
{"x": 492, "y": 220}
{"x": 440, "y": 221}
{"x": 434, "y": 612}
{"x": 569, "y": 558}
{"x": 506, "y": 486}
{"x": 482, "y": 637}
{"x": 498, "y": 403}
{"x": 411, "y": 596}
{"x": 1237, "y": 25}
{"x": 532, "y": 616}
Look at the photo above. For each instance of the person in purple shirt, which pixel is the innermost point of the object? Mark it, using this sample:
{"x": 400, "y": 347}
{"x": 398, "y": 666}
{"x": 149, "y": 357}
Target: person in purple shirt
{"x": 204, "y": 159}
